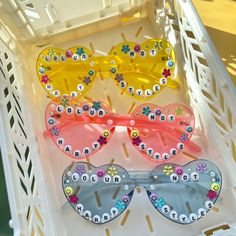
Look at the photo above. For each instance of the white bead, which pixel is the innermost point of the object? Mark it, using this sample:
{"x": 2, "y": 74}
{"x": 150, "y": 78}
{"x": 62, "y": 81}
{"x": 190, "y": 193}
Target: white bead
{"x": 132, "y": 122}
{"x": 152, "y": 52}
{"x": 94, "y": 178}
{"x": 148, "y": 92}
{"x": 174, "y": 178}
{"x": 96, "y": 219}
{"x": 55, "y": 58}
{"x": 173, "y": 215}
{"x": 85, "y": 177}
{"x": 195, "y": 176}
{"x": 76, "y": 153}
{"x": 75, "y": 176}
{"x": 165, "y": 209}
{"x": 162, "y": 117}
{"x": 79, "y": 111}
{"x": 56, "y": 93}
{"x": 157, "y": 156}
{"x": 80, "y": 87}
{"x": 69, "y": 110}
{"x": 152, "y": 187}
{"x": 139, "y": 92}
{"x": 156, "y": 88}
{"x": 132, "y": 53}
{"x": 151, "y": 116}
{"x": 209, "y": 204}
{"x": 142, "y": 146}
{"x": 201, "y": 212}
{"x": 185, "y": 177}
{"x": 92, "y": 112}
{"x": 95, "y": 145}
{"x": 149, "y": 152}
{"x": 107, "y": 179}
{"x": 109, "y": 122}
{"x": 68, "y": 148}
{"x": 60, "y": 141}
{"x": 126, "y": 187}
{"x": 116, "y": 179}
{"x": 212, "y": 173}
{"x": 79, "y": 207}
{"x": 87, "y": 214}
{"x": 165, "y": 156}
{"x": 105, "y": 217}
{"x": 171, "y": 118}
{"x": 49, "y": 87}
{"x": 86, "y": 151}
{"x": 173, "y": 151}
{"x": 101, "y": 113}
{"x": 84, "y": 57}
{"x": 193, "y": 217}
{"x": 130, "y": 89}
{"x": 59, "y": 108}
{"x": 183, "y": 219}
{"x": 75, "y": 57}
{"x": 122, "y": 84}
{"x": 69, "y": 173}
{"x": 114, "y": 212}
{"x": 142, "y": 53}
{"x": 73, "y": 94}
{"x": 180, "y": 146}
{"x": 163, "y": 81}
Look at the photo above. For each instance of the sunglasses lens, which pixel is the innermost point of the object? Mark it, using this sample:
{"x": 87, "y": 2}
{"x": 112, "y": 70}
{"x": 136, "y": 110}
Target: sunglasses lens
{"x": 63, "y": 72}
{"x": 185, "y": 194}
{"x": 142, "y": 70}
{"x": 98, "y": 194}
{"x": 78, "y": 128}
{"x": 161, "y": 132}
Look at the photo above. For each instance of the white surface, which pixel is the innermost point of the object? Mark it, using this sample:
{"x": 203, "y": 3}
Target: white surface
{"x": 48, "y": 163}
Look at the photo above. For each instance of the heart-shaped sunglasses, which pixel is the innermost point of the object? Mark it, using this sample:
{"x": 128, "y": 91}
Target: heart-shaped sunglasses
{"x": 182, "y": 194}
{"x": 80, "y": 129}
{"x": 139, "y": 70}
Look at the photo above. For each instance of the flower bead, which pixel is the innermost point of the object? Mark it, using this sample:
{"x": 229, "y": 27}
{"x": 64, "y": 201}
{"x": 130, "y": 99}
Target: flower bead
{"x": 183, "y": 137}
{"x": 120, "y": 205}
{"x": 159, "y": 203}
{"x": 178, "y": 111}
{"x": 146, "y": 111}
{"x": 112, "y": 171}
{"x": 96, "y": 106}
{"x": 80, "y": 170}
{"x": 102, "y": 140}
{"x": 87, "y": 80}
{"x": 119, "y": 78}
{"x": 136, "y": 141}
{"x": 212, "y": 195}
{"x": 168, "y": 170}
{"x": 80, "y": 51}
{"x": 73, "y": 199}
{"x": 201, "y": 168}
{"x": 45, "y": 79}
{"x": 65, "y": 101}
{"x": 125, "y": 48}
{"x": 166, "y": 72}
{"x": 54, "y": 131}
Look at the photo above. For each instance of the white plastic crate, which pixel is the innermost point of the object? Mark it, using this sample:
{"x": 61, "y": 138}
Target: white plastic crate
{"x": 33, "y": 166}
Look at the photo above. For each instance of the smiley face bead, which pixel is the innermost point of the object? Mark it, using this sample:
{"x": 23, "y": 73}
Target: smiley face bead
{"x": 105, "y": 133}
{"x": 215, "y": 187}
{"x": 69, "y": 191}
{"x": 134, "y": 133}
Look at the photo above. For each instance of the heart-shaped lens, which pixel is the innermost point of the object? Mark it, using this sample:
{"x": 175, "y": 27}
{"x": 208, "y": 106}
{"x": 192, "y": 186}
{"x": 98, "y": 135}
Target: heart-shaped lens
{"x": 142, "y": 70}
{"x": 75, "y": 127}
{"x": 70, "y": 71}
{"x": 97, "y": 194}
{"x": 170, "y": 129}
{"x": 185, "y": 194}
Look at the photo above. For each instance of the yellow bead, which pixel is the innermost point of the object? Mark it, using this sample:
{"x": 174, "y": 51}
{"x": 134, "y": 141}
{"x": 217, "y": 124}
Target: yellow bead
{"x": 105, "y": 133}
{"x": 69, "y": 191}
{"x": 215, "y": 187}
{"x": 134, "y": 133}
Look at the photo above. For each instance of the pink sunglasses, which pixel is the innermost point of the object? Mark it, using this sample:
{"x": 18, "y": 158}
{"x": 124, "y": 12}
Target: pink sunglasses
{"x": 80, "y": 129}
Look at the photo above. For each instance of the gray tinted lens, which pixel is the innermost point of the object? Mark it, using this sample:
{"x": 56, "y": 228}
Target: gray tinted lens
{"x": 185, "y": 194}
{"x": 99, "y": 194}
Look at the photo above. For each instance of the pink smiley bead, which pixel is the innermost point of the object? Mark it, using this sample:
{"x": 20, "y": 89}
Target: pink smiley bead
{"x": 179, "y": 170}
